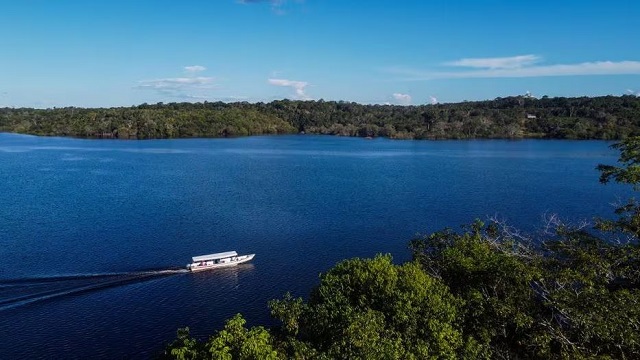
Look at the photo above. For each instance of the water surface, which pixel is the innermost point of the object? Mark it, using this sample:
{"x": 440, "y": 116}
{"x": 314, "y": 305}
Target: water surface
{"x": 93, "y": 232}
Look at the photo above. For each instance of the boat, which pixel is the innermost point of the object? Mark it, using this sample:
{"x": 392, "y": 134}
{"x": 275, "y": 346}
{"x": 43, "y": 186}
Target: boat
{"x": 218, "y": 260}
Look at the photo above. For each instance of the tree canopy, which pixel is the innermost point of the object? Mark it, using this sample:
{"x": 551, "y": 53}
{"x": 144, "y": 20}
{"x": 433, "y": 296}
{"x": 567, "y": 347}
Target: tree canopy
{"x": 607, "y": 118}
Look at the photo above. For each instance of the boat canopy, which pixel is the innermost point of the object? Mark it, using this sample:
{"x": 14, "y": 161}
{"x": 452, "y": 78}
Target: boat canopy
{"x": 214, "y": 256}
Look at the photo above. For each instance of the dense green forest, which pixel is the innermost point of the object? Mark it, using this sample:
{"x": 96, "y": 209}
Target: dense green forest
{"x": 608, "y": 117}
{"x": 485, "y": 291}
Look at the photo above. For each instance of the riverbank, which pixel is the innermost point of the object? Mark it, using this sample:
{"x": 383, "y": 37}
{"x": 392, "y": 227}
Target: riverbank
{"x": 602, "y": 118}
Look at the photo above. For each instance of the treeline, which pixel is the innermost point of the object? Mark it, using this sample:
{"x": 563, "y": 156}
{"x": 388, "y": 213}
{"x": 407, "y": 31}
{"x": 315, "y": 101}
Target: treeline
{"x": 144, "y": 122}
{"x": 607, "y": 118}
{"x": 485, "y": 292}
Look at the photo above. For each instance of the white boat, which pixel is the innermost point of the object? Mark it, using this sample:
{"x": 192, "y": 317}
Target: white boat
{"x": 214, "y": 261}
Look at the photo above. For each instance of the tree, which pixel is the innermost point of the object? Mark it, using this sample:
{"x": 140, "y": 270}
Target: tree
{"x": 628, "y": 172}
{"x": 184, "y": 347}
{"x": 594, "y": 118}
{"x": 237, "y": 342}
{"x": 492, "y": 273}
{"x": 373, "y": 309}
{"x": 233, "y": 342}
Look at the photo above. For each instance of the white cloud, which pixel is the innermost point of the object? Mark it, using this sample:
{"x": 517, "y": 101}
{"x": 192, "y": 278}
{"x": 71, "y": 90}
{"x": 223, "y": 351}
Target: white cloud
{"x": 187, "y": 87}
{"x": 176, "y": 83}
{"x": 194, "y": 68}
{"x": 433, "y": 100}
{"x": 513, "y": 62}
{"x": 402, "y": 99}
{"x": 298, "y": 86}
{"x": 579, "y": 69}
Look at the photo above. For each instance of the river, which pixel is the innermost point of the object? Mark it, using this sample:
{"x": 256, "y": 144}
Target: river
{"x": 94, "y": 233}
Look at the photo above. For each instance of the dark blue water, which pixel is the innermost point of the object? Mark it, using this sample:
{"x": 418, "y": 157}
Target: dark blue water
{"x": 90, "y": 231}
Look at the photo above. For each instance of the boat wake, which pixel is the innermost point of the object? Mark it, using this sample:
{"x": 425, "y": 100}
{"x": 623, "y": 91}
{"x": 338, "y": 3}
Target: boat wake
{"x": 20, "y": 292}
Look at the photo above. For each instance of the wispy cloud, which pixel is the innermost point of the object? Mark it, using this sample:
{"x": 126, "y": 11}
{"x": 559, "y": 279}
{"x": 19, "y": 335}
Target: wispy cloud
{"x": 187, "y": 87}
{"x": 276, "y": 5}
{"x": 402, "y": 99}
{"x": 194, "y": 69}
{"x": 177, "y": 83}
{"x": 631, "y": 92}
{"x": 518, "y": 67}
{"x": 433, "y": 100}
{"x": 513, "y": 62}
{"x": 234, "y": 98}
{"x": 272, "y": 2}
{"x": 298, "y": 86}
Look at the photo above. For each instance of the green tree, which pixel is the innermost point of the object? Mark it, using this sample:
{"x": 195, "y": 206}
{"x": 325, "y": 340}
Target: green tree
{"x": 373, "y": 309}
{"x": 235, "y": 341}
{"x": 628, "y": 172}
{"x": 184, "y": 347}
{"x": 606, "y": 117}
{"x": 554, "y": 299}
{"x": 492, "y": 273}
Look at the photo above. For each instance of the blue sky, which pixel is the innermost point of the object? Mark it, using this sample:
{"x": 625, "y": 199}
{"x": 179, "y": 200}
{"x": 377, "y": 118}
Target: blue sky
{"x": 122, "y": 53}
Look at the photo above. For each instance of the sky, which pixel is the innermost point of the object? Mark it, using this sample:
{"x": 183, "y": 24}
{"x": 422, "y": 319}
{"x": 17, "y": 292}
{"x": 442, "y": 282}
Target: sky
{"x": 103, "y": 53}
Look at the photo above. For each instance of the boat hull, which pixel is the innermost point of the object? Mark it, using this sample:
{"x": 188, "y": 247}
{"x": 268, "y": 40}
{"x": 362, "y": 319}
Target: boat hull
{"x": 194, "y": 267}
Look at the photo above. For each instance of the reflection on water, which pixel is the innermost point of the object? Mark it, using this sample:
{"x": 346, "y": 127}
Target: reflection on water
{"x": 222, "y": 279}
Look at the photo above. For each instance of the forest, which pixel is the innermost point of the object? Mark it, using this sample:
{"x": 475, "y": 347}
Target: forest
{"x": 485, "y": 291}
{"x": 605, "y": 118}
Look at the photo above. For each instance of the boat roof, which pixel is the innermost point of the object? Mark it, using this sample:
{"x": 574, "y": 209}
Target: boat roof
{"x": 214, "y": 256}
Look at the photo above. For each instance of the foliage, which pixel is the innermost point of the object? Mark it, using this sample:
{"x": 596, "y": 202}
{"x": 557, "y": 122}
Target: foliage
{"x": 233, "y": 342}
{"x": 373, "y": 309}
{"x": 493, "y": 277}
{"x": 554, "y": 300}
{"x": 627, "y": 173}
{"x": 629, "y": 170}
{"x": 607, "y": 117}
{"x": 184, "y": 347}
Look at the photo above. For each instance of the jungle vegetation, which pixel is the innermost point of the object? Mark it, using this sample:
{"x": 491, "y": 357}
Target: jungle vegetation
{"x": 485, "y": 291}
{"x": 608, "y": 118}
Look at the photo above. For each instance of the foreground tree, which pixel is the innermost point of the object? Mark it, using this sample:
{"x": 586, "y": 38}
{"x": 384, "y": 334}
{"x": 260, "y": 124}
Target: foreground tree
{"x": 571, "y": 295}
{"x": 235, "y": 341}
{"x": 373, "y": 309}
{"x": 628, "y": 173}
{"x": 492, "y": 274}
